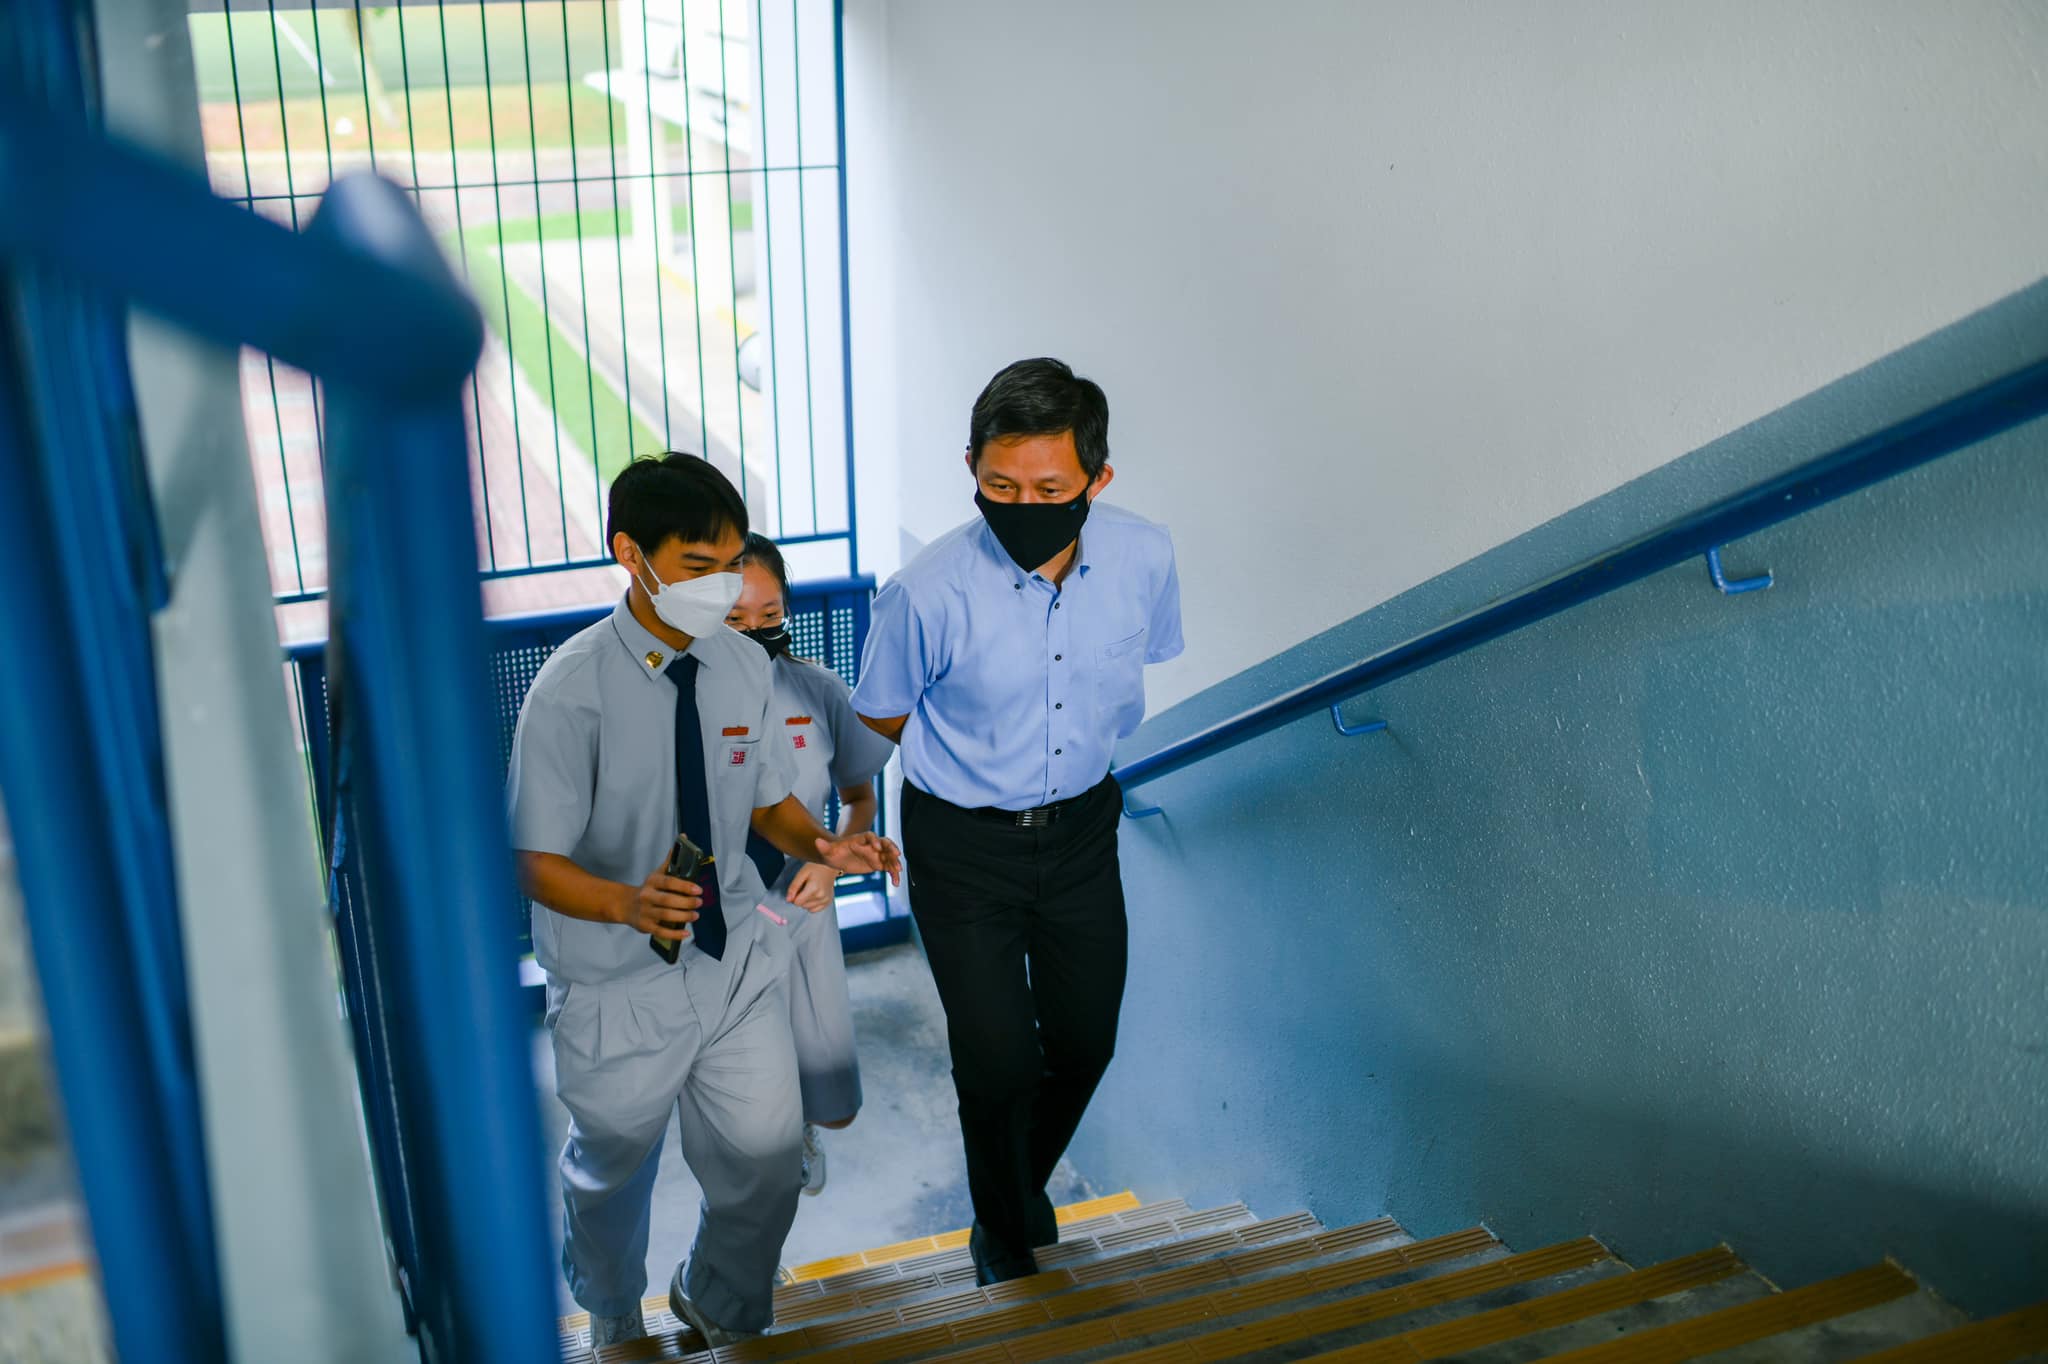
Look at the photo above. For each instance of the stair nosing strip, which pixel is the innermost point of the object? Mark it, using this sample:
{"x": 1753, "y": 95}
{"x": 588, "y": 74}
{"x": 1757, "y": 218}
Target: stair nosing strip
{"x": 1747, "y": 1322}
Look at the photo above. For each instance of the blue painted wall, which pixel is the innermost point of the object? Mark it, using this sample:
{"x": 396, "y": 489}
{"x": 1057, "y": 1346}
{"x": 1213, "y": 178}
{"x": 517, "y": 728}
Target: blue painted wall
{"x": 1678, "y": 919}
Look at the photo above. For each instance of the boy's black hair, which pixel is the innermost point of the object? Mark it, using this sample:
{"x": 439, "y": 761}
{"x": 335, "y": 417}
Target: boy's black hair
{"x": 660, "y": 497}
{"x": 1043, "y": 397}
{"x": 765, "y": 552}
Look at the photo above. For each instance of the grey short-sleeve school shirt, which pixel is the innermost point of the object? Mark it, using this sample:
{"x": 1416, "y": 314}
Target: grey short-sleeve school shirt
{"x": 593, "y": 779}
{"x": 813, "y": 721}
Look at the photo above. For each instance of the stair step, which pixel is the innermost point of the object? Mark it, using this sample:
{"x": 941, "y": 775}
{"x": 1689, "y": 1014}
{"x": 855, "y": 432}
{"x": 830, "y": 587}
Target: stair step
{"x": 1544, "y": 1341}
{"x": 930, "y": 1271}
{"x": 1915, "y": 1316}
{"x": 2015, "y": 1336}
{"x": 1735, "y": 1328}
{"x": 1146, "y": 1320}
{"x": 953, "y": 1264}
{"x": 952, "y": 1240}
{"x": 1448, "y": 1293}
{"x": 855, "y": 1341}
{"x": 914, "y": 1301}
{"x": 877, "y": 1304}
{"x": 1591, "y": 1312}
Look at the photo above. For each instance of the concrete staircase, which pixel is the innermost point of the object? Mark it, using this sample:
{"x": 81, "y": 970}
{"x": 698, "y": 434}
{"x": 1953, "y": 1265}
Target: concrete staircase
{"x": 1163, "y": 1282}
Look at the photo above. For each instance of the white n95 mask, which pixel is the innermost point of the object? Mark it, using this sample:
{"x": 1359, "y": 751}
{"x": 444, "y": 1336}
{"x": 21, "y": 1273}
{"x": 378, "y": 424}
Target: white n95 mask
{"x": 696, "y": 606}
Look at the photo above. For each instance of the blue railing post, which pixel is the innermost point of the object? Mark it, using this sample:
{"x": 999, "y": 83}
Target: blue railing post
{"x": 426, "y": 809}
{"x": 362, "y": 976}
{"x": 132, "y": 1137}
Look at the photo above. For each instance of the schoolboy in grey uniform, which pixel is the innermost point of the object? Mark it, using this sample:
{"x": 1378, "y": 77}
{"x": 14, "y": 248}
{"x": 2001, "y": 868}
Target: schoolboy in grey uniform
{"x": 650, "y": 721}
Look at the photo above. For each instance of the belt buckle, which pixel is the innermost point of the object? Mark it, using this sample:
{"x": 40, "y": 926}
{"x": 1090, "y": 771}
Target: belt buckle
{"x": 1037, "y": 817}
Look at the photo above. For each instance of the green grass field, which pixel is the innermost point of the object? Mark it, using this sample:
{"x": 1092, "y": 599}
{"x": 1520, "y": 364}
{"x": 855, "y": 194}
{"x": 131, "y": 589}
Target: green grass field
{"x": 522, "y": 39}
{"x": 589, "y": 408}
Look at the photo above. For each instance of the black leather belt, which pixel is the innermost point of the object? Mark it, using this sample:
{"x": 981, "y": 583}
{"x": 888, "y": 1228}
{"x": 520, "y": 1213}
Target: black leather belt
{"x": 1037, "y": 817}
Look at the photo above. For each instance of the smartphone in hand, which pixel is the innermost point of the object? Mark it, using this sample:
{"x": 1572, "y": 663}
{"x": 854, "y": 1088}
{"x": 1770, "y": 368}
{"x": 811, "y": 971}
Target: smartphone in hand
{"x": 688, "y": 862}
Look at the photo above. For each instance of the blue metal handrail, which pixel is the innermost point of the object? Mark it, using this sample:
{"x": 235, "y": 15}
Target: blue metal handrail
{"x": 342, "y": 315}
{"x": 407, "y": 661}
{"x": 364, "y": 301}
{"x": 1999, "y": 405}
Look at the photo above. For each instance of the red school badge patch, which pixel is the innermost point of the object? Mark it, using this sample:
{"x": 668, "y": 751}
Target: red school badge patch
{"x": 739, "y": 758}
{"x": 801, "y": 741}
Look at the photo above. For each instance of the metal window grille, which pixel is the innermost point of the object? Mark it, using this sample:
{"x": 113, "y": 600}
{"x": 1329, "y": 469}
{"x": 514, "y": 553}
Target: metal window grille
{"x": 644, "y": 197}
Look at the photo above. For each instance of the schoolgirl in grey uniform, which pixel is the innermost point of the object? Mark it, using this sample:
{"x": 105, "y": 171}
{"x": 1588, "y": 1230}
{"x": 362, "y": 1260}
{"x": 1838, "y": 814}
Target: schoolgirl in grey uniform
{"x": 811, "y": 716}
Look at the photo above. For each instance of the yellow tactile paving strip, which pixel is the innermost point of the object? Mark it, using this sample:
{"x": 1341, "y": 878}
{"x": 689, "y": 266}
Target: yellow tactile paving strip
{"x": 46, "y": 1274}
{"x": 952, "y": 1240}
{"x": 2013, "y": 1336}
{"x": 1526, "y": 1318}
{"x": 1752, "y": 1321}
{"x": 1231, "y": 1342}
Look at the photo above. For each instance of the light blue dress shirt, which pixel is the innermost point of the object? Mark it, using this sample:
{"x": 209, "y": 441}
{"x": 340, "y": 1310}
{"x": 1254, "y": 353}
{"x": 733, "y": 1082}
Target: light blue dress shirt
{"x": 1017, "y": 690}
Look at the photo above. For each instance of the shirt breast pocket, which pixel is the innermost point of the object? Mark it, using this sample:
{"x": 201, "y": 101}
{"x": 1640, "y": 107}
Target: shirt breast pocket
{"x": 738, "y": 760}
{"x": 1120, "y": 682}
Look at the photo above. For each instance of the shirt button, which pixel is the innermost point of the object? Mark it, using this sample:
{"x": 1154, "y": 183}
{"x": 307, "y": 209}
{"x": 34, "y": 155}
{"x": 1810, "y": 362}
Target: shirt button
{"x": 1059, "y": 705}
{"x": 1057, "y": 657}
{"x": 1057, "y": 751}
{"x": 1055, "y": 606}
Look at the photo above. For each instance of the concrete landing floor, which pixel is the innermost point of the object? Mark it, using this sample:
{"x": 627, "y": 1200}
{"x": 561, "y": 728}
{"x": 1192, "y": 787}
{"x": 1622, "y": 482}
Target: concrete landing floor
{"x": 897, "y": 1173}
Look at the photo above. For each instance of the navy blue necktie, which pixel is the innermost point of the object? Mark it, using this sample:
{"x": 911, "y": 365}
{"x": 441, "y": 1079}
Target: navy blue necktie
{"x": 693, "y": 801}
{"x": 768, "y": 859}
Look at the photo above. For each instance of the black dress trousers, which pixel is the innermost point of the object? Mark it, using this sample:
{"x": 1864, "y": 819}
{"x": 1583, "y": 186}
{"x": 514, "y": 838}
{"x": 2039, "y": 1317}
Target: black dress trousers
{"x": 1025, "y": 932}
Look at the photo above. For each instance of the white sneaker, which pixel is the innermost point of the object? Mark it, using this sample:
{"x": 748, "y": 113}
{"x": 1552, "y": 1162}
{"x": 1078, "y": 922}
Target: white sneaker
{"x": 688, "y": 1311}
{"x": 814, "y": 1160}
{"x": 614, "y": 1330}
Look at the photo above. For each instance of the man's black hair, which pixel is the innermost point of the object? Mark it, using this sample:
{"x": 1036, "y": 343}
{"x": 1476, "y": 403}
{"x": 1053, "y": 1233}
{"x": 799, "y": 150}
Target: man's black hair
{"x": 765, "y": 552}
{"x": 1043, "y": 397}
{"x": 659, "y": 497}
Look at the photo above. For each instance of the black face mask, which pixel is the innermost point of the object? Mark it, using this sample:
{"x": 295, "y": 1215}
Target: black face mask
{"x": 773, "y": 638}
{"x": 1031, "y": 533}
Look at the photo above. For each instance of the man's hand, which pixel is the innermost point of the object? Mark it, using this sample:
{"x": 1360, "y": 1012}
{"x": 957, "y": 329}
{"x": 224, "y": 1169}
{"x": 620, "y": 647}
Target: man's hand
{"x": 858, "y": 854}
{"x": 813, "y": 887}
{"x": 662, "y": 906}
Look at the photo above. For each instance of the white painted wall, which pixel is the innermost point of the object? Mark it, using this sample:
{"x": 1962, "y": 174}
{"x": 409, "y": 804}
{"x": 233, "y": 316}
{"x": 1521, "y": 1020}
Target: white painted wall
{"x": 1374, "y": 287}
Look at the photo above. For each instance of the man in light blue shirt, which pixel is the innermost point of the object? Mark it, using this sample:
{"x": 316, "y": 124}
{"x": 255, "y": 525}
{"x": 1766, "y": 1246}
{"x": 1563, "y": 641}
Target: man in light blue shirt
{"x": 1007, "y": 659}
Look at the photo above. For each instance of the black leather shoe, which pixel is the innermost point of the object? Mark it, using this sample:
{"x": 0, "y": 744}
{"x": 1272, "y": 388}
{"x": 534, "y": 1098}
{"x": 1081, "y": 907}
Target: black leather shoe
{"x": 1045, "y": 1228}
{"x": 993, "y": 1265}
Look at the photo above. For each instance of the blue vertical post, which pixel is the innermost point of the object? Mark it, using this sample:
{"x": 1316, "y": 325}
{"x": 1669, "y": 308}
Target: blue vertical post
{"x": 129, "y": 1134}
{"x": 362, "y": 976}
{"x": 845, "y": 292}
{"x": 426, "y": 811}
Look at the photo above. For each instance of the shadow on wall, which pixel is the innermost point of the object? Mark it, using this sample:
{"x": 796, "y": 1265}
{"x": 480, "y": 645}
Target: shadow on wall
{"x": 1545, "y": 1167}
{"x": 1677, "y": 918}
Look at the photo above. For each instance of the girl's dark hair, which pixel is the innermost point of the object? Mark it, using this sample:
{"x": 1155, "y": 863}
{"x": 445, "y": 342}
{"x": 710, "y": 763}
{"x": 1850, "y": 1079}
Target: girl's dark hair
{"x": 763, "y": 551}
{"x": 1043, "y": 397}
{"x": 660, "y": 497}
